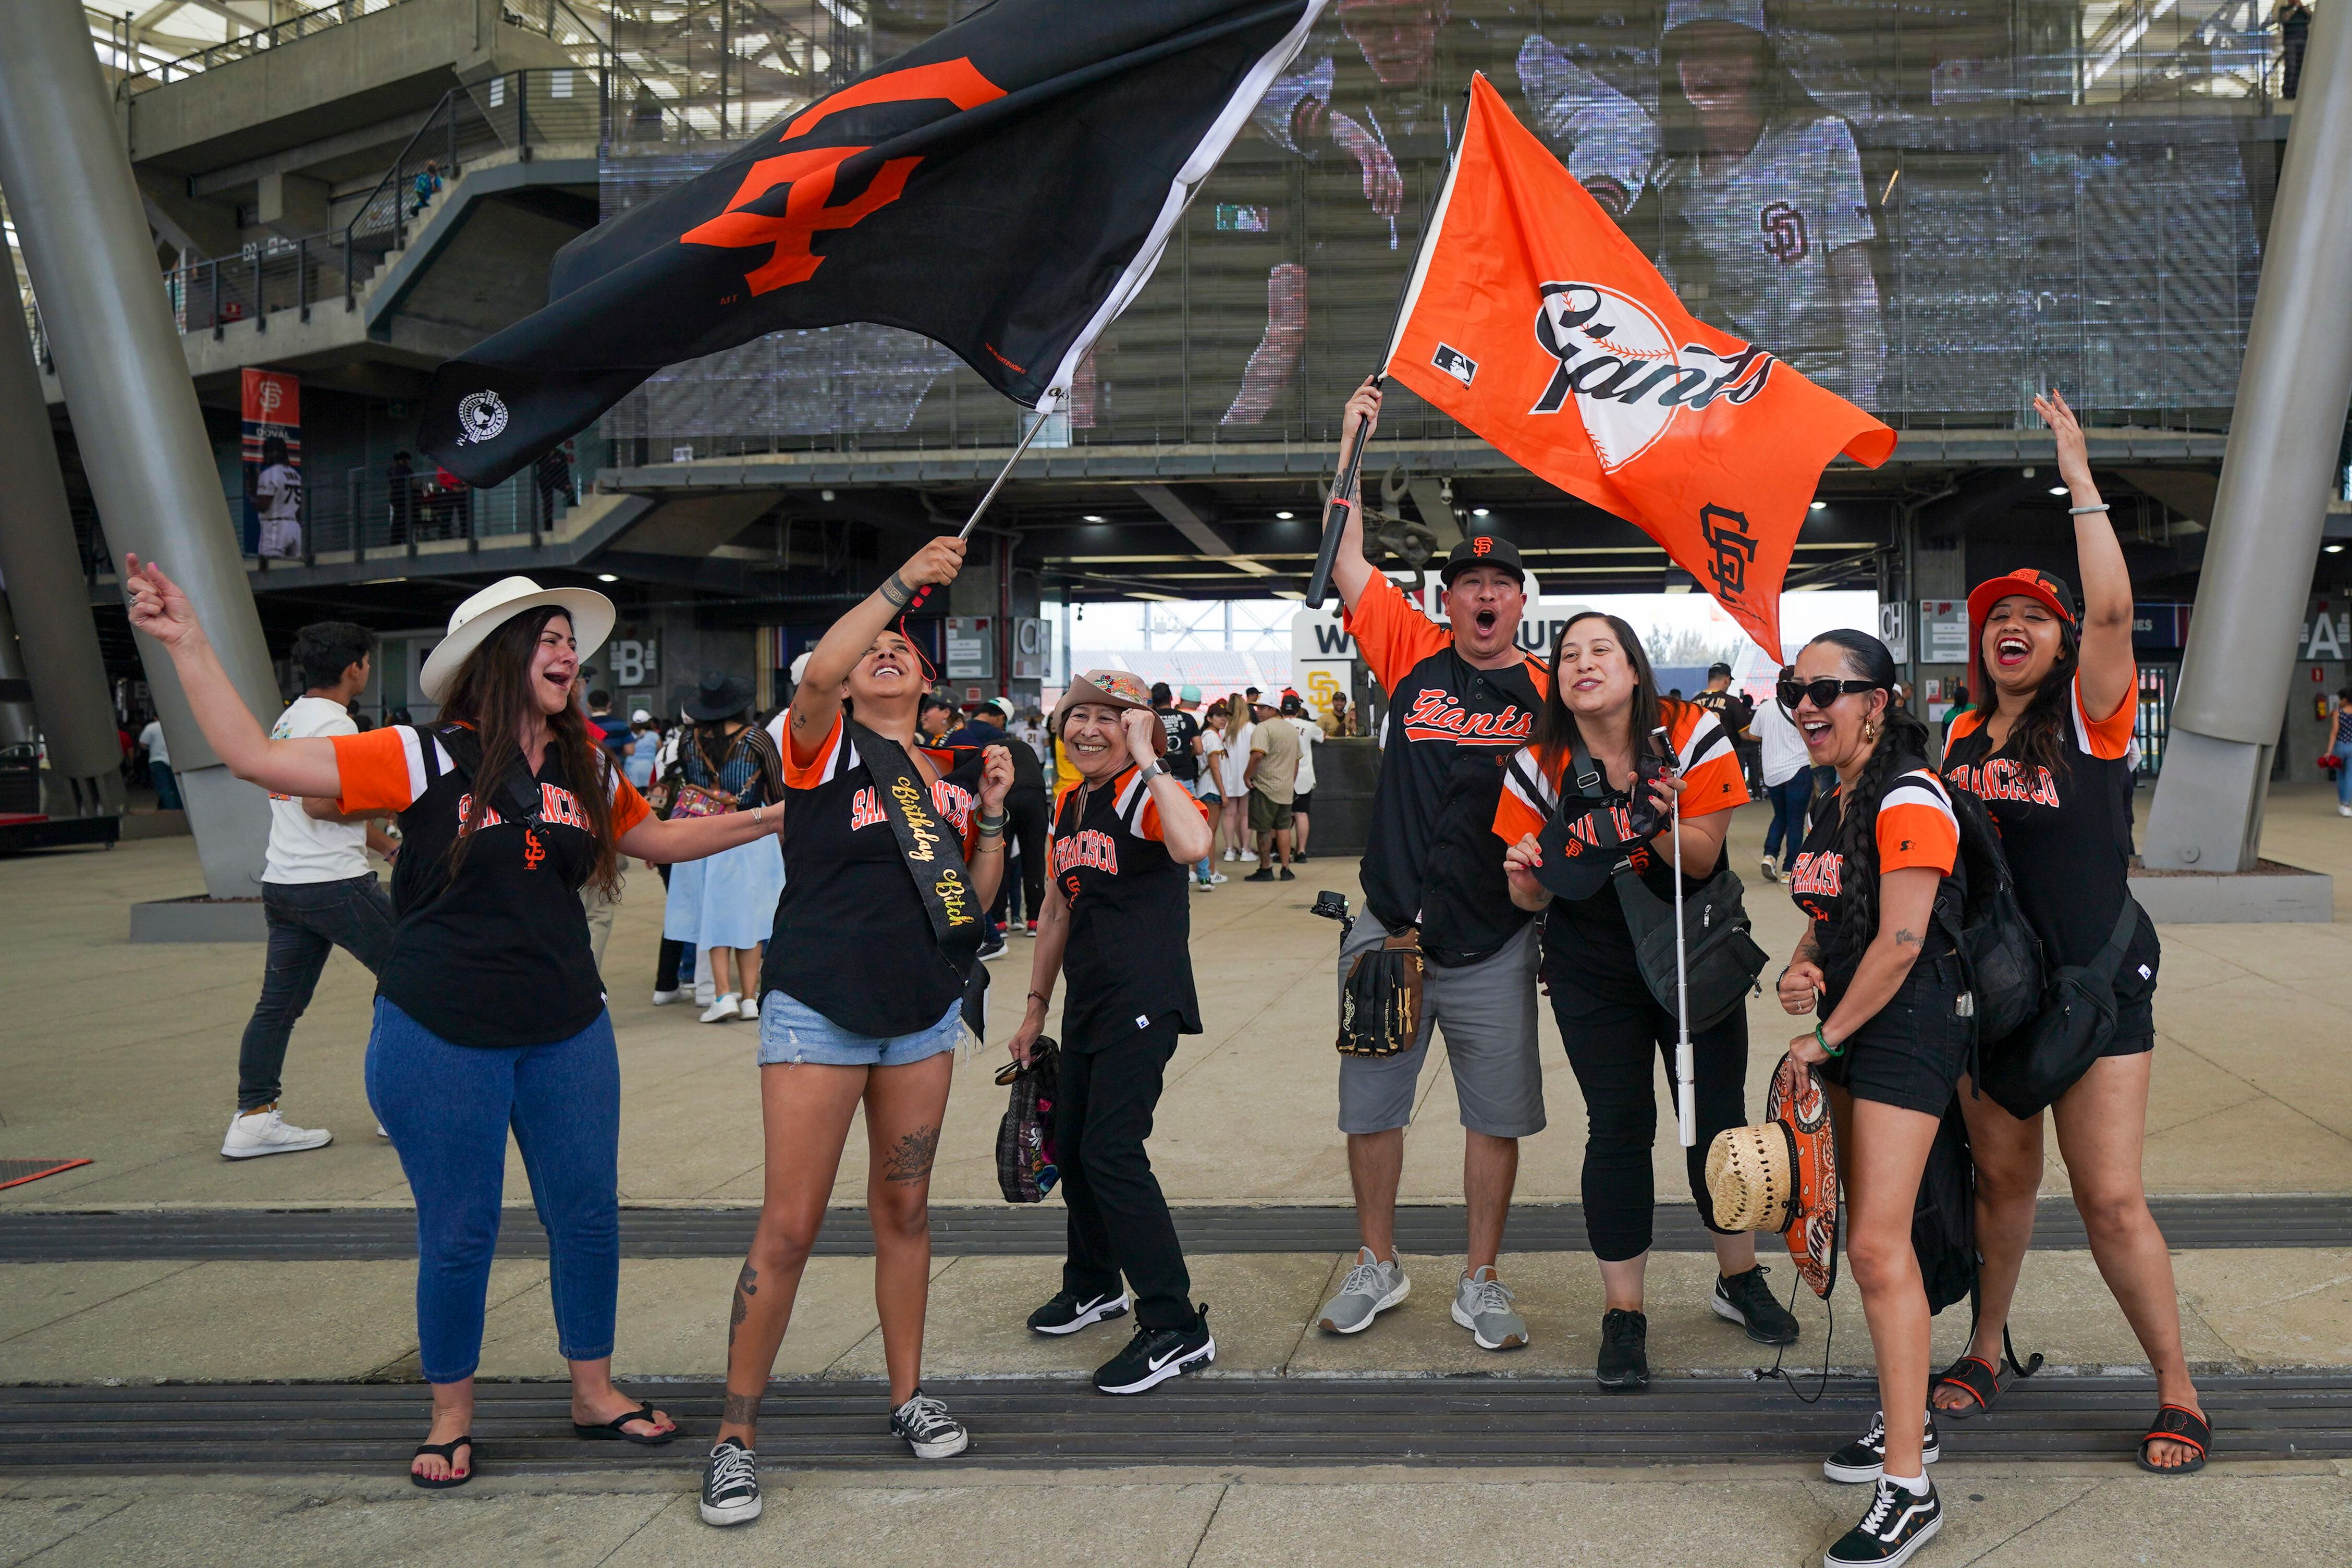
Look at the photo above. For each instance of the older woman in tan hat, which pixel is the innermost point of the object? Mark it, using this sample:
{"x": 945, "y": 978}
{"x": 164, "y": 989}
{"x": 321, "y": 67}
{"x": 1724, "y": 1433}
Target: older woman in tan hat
{"x": 1117, "y": 922}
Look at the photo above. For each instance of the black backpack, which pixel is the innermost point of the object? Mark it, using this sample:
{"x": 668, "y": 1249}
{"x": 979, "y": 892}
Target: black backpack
{"x": 1995, "y": 939}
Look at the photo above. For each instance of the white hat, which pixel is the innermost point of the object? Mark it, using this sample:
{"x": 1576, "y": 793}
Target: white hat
{"x": 800, "y": 667}
{"x": 471, "y": 623}
{"x": 641, "y": 717}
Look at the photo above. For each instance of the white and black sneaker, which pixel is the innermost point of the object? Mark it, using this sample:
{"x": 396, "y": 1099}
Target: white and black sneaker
{"x": 1866, "y": 1460}
{"x": 1899, "y": 1522}
{"x": 929, "y": 1429}
{"x": 1155, "y": 1355}
{"x": 731, "y": 1486}
{"x": 1068, "y": 1312}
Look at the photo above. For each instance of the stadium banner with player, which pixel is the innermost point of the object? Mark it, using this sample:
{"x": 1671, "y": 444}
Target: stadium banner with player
{"x": 1534, "y": 321}
{"x": 269, "y": 407}
{"x": 1005, "y": 188}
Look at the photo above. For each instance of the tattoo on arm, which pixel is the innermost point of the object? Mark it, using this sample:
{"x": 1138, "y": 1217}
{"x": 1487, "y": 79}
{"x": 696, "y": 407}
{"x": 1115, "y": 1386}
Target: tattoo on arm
{"x": 747, "y": 1285}
{"x": 1809, "y": 951}
{"x": 897, "y": 592}
{"x": 910, "y": 1159}
{"x": 1906, "y": 939}
{"x": 740, "y": 1409}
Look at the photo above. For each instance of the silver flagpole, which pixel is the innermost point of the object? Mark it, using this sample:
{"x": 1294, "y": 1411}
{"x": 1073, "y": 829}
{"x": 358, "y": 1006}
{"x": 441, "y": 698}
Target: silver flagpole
{"x": 1686, "y": 1065}
{"x": 1005, "y": 472}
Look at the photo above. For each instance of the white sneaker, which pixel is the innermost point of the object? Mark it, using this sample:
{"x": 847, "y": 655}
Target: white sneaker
{"x": 1232, "y": 854}
{"x": 1249, "y": 856}
{"x": 750, "y": 1009}
{"x": 1215, "y": 877}
{"x": 2344, "y": 811}
{"x": 265, "y": 1132}
{"x": 721, "y": 1010}
{"x": 663, "y": 998}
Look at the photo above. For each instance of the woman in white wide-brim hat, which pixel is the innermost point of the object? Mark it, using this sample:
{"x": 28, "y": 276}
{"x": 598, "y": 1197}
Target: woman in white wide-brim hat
{"x": 489, "y": 1013}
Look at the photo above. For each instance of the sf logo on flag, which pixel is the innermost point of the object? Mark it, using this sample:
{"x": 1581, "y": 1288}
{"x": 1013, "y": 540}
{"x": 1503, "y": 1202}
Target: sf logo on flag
{"x": 1731, "y": 548}
{"x": 1619, "y": 363}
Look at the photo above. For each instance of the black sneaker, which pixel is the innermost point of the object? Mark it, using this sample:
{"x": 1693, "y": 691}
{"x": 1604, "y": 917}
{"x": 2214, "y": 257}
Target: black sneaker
{"x": 1624, "y": 1352}
{"x": 1155, "y": 1355}
{"x": 1866, "y": 1460}
{"x": 1288, "y": 875}
{"x": 991, "y": 947}
{"x": 1068, "y": 1313}
{"x": 1298, "y": 857}
{"x": 1897, "y": 1524}
{"x": 927, "y": 1429}
{"x": 1263, "y": 874}
{"x": 1747, "y": 1300}
{"x": 731, "y": 1486}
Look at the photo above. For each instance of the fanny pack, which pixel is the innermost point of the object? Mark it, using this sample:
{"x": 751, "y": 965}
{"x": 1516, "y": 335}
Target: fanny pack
{"x": 1380, "y": 1006}
{"x": 2027, "y": 1071}
{"x": 934, "y": 858}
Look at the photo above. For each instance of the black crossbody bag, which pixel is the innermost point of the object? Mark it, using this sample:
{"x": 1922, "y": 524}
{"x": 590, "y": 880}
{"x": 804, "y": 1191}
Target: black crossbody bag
{"x": 2026, "y": 1073}
{"x": 934, "y": 858}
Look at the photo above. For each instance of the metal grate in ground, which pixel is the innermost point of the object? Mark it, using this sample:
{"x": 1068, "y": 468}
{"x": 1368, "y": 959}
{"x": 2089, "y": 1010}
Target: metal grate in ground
{"x": 294, "y": 1235}
{"x": 1206, "y": 1421}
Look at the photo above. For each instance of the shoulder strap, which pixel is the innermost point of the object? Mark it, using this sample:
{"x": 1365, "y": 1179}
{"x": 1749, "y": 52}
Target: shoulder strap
{"x": 2111, "y": 957}
{"x": 523, "y": 803}
{"x": 934, "y": 857}
{"x": 1589, "y": 778}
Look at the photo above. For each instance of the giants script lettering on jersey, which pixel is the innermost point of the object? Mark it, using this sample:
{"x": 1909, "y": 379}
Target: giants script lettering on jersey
{"x": 1089, "y": 848}
{"x": 2005, "y": 779}
{"x": 1436, "y": 716}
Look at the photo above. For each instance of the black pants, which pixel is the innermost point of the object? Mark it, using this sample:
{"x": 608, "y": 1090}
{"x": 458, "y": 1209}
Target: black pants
{"x": 673, "y": 952}
{"x": 1119, "y": 1219}
{"x": 308, "y": 921}
{"x": 1610, "y": 1041}
{"x": 1027, "y": 809}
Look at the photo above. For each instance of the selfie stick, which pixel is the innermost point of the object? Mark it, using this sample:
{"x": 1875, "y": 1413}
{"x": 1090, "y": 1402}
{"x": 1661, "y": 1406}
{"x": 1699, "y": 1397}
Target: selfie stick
{"x": 1685, "y": 1062}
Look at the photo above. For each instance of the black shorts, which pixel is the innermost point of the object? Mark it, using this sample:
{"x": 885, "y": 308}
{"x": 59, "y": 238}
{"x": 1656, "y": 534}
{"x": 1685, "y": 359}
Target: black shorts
{"x": 2135, "y": 1027}
{"x": 1913, "y": 1052}
{"x": 1302, "y": 803}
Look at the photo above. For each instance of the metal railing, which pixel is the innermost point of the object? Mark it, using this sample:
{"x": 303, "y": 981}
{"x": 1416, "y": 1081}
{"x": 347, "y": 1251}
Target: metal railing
{"x": 277, "y": 35}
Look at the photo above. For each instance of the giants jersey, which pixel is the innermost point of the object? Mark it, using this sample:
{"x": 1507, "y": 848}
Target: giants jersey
{"x": 498, "y": 954}
{"x": 1451, "y": 729}
{"x": 851, "y": 938}
{"x": 2067, "y": 833}
{"x": 1916, "y": 827}
{"x": 1128, "y": 963}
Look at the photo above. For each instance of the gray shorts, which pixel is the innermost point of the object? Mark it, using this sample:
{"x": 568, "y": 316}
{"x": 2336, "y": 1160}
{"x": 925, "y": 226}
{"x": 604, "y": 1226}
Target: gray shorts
{"x": 1488, "y": 1012}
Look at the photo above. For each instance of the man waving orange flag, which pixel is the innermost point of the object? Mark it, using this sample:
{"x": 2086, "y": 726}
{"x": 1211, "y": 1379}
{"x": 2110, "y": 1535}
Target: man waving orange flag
{"x": 1537, "y": 323}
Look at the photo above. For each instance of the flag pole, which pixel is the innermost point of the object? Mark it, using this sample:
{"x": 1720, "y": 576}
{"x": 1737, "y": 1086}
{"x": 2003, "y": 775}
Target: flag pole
{"x": 1002, "y": 474}
{"x": 1685, "y": 1060}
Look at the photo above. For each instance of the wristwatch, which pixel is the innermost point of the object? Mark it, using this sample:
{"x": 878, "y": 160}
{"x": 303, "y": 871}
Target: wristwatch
{"x": 1148, "y": 771}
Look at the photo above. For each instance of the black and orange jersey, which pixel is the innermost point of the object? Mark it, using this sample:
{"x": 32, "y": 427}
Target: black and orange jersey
{"x": 1916, "y": 827}
{"x": 852, "y": 937}
{"x": 1590, "y": 934}
{"x": 1130, "y": 960}
{"x": 498, "y": 954}
{"x": 1452, "y": 728}
{"x": 2066, "y": 832}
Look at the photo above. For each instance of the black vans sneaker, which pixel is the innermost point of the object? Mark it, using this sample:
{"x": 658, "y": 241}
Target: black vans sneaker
{"x": 1068, "y": 1312}
{"x": 731, "y": 1486}
{"x": 1865, "y": 1460}
{"x": 1625, "y": 1365}
{"x": 927, "y": 1429}
{"x": 1748, "y": 1300}
{"x": 1155, "y": 1355}
{"x": 1897, "y": 1524}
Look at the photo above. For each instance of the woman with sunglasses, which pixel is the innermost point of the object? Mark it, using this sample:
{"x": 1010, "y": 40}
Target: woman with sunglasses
{"x": 1604, "y": 700}
{"x": 2049, "y": 748}
{"x": 1891, "y": 1038}
{"x": 862, "y": 1006}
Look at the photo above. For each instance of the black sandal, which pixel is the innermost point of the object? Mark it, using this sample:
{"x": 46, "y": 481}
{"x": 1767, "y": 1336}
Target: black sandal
{"x": 2177, "y": 1424}
{"x": 449, "y": 1451}
{"x": 1980, "y": 1380}
{"x": 612, "y": 1429}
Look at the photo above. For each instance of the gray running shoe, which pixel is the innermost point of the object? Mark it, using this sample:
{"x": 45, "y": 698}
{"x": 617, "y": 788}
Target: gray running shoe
{"x": 1371, "y": 1289}
{"x": 1483, "y": 1305}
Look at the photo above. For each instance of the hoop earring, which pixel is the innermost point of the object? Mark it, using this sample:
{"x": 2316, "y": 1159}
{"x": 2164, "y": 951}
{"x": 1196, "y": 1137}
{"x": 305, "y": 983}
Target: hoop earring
{"x": 1870, "y": 729}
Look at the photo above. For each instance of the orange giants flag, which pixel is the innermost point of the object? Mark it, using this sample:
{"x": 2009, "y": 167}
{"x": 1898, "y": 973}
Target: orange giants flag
{"x": 1536, "y": 322}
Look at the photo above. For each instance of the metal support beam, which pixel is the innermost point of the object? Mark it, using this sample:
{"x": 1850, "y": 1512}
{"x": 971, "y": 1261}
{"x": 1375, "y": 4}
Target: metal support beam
{"x": 43, "y": 569}
{"x": 1194, "y": 525}
{"x": 2272, "y": 507}
{"x": 125, "y": 377}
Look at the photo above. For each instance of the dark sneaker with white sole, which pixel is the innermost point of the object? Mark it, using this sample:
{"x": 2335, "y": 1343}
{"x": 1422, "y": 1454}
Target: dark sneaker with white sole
{"x": 1155, "y": 1355}
{"x": 731, "y": 1486}
{"x": 1898, "y": 1523}
{"x": 927, "y": 1429}
{"x": 1865, "y": 1460}
{"x": 1748, "y": 1300}
{"x": 1624, "y": 1363}
{"x": 1068, "y": 1312}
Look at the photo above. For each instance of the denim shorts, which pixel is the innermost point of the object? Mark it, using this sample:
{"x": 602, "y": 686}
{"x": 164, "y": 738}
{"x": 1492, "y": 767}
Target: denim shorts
{"x": 793, "y": 1033}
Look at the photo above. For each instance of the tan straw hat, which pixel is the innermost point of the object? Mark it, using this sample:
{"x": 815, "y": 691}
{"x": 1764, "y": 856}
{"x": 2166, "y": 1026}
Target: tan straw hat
{"x": 471, "y": 623}
{"x": 1751, "y": 1177}
{"x": 1781, "y": 1174}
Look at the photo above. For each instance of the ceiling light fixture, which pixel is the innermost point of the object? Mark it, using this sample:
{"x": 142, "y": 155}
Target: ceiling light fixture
{"x": 1477, "y": 512}
{"x": 2057, "y": 489}
{"x": 1820, "y": 506}
{"x": 2335, "y": 549}
{"x": 1285, "y": 516}
{"x": 1092, "y": 517}
{"x": 606, "y": 577}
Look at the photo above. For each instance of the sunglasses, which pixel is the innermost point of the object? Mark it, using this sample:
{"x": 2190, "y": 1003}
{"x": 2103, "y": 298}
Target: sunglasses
{"x": 1823, "y": 691}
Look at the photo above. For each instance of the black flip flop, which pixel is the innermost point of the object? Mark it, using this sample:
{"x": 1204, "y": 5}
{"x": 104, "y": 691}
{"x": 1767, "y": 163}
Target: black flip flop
{"x": 1974, "y": 1376}
{"x": 2177, "y": 1424}
{"x": 612, "y": 1429}
{"x": 449, "y": 1451}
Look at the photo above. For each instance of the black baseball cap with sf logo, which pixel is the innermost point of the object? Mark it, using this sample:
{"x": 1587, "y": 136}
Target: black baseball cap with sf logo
{"x": 1483, "y": 550}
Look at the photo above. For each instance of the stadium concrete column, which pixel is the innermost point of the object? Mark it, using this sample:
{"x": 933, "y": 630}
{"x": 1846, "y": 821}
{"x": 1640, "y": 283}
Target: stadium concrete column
{"x": 2272, "y": 507}
{"x": 85, "y": 239}
{"x": 53, "y": 641}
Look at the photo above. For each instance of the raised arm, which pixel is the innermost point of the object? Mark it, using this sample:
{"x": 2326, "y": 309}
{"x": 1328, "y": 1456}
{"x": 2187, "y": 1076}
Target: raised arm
{"x": 2109, "y": 670}
{"x": 1184, "y": 831}
{"x": 817, "y": 699}
{"x": 1351, "y": 573}
{"x": 160, "y": 610}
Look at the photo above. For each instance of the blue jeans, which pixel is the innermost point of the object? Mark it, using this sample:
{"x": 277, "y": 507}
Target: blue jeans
{"x": 2344, "y": 774}
{"x": 1789, "y": 798}
{"x": 447, "y": 1108}
{"x": 167, "y": 788}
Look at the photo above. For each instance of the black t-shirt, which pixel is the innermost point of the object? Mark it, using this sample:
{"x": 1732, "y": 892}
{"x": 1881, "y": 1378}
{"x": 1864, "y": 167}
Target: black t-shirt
{"x": 498, "y": 955}
{"x": 1733, "y": 708}
{"x": 1916, "y": 826}
{"x": 1129, "y": 958}
{"x": 1451, "y": 729}
{"x": 2067, "y": 836}
{"x": 851, "y": 938}
{"x": 1182, "y": 760}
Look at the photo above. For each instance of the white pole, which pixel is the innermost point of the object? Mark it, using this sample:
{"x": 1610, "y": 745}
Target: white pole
{"x": 1685, "y": 1066}
{"x": 1006, "y": 473}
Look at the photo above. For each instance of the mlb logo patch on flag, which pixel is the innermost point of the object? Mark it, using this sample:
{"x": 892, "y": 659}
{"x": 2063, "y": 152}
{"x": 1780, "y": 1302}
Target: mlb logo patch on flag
{"x": 1456, "y": 363}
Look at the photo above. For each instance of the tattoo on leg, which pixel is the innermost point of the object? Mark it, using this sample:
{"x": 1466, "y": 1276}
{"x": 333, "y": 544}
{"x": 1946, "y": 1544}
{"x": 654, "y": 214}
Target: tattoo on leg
{"x": 740, "y": 1409}
{"x": 910, "y": 1159}
{"x": 747, "y": 1285}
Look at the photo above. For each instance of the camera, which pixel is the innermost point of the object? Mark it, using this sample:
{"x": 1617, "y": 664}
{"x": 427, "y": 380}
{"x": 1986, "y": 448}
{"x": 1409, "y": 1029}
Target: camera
{"x": 1333, "y": 906}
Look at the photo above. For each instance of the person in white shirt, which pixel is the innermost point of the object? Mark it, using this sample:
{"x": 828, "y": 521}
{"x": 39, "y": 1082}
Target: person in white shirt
{"x": 278, "y": 495}
{"x": 159, "y": 766}
{"x": 1788, "y": 775}
{"x": 317, "y": 893}
{"x": 1294, "y": 709}
{"x": 1239, "y": 731}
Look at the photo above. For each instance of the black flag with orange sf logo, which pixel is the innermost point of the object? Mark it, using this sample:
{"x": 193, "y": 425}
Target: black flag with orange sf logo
{"x": 1005, "y": 188}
